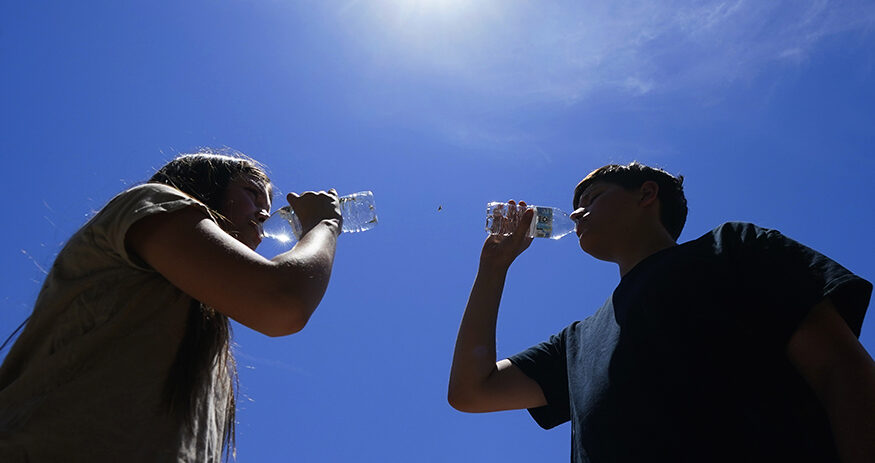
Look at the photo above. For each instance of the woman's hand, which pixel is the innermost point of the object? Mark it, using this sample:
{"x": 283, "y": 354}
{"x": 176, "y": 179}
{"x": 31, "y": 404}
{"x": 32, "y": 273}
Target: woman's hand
{"x": 312, "y": 207}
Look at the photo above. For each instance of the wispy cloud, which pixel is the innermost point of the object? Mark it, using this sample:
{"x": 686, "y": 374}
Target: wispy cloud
{"x": 537, "y": 51}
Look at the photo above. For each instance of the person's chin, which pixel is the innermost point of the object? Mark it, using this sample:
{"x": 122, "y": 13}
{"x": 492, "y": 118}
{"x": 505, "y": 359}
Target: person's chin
{"x": 254, "y": 238}
{"x": 581, "y": 238}
{"x": 587, "y": 245}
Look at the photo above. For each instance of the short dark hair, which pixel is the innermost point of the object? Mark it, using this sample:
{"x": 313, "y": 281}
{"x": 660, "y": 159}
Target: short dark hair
{"x": 673, "y": 204}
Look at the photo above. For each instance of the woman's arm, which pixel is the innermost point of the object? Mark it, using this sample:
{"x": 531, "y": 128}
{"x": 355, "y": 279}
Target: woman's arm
{"x": 275, "y": 297}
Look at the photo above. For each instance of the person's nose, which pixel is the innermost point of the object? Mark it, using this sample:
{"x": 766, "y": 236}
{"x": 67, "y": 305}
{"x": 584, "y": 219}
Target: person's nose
{"x": 577, "y": 214}
{"x": 262, "y": 216}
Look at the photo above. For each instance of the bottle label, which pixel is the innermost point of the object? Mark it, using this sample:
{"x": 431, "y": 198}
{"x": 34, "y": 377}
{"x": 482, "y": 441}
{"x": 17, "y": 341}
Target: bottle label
{"x": 543, "y": 222}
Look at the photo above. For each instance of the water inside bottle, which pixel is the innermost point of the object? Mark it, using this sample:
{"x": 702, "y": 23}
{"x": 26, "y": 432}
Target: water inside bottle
{"x": 282, "y": 229}
{"x": 548, "y": 222}
{"x": 503, "y": 218}
{"x": 358, "y": 212}
{"x": 277, "y": 236}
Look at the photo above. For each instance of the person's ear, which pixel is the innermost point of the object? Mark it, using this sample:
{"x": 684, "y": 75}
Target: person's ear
{"x": 649, "y": 193}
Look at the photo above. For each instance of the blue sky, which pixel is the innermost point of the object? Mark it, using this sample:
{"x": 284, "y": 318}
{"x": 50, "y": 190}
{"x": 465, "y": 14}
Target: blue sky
{"x": 438, "y": 107}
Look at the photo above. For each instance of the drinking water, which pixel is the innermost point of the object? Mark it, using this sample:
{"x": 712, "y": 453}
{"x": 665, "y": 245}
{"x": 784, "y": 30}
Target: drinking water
{"x": 357, "y": 209}
{"x": 549, "y": 222}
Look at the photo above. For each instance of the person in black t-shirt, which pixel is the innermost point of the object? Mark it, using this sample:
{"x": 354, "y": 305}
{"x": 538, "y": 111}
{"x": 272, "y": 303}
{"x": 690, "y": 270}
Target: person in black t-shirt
{"x": 737, "y": 346}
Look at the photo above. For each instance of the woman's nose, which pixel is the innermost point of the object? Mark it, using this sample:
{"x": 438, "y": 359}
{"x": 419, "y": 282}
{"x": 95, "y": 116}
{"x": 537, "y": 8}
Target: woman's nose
{"x": 578, "y": 213}
{"x": 263, "y": 215}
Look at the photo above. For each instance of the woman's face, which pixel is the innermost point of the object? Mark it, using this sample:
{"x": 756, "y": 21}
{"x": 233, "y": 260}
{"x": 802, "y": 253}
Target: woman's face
{"x": 246, "y": 205}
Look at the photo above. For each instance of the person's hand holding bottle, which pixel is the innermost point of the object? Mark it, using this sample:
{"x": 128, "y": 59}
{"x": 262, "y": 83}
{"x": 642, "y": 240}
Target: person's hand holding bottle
{"x": 500, "y": 251}
{"x": 312, "y": 207}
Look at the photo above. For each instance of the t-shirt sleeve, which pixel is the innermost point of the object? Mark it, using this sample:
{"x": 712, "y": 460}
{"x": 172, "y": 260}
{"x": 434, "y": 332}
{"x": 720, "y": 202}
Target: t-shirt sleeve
{"x": 110, "y": 226}
{"x": 788, "y": 278}
{"x": 546, "y": 364}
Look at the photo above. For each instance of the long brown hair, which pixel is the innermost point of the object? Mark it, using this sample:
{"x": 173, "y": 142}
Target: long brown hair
{"x": 207, "y": 341}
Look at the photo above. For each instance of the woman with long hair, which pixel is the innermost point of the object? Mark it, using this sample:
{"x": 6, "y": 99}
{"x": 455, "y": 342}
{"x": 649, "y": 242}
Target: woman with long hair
{"x": 126, "y": 356}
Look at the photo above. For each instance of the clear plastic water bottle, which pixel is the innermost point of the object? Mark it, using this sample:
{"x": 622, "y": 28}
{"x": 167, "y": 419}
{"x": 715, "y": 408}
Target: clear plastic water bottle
{"x": 357, "y": 209}
{"x": 549, "y": 222}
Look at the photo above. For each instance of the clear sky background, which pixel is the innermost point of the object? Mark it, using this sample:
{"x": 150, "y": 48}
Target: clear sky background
{"x": 438, "y": 107}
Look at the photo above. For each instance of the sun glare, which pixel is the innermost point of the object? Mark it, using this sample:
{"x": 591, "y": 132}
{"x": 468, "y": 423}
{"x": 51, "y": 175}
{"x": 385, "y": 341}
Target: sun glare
{"x": 281, "y": 237}
{"x": 431, "y": 8}
{"x": 444, "y": 5}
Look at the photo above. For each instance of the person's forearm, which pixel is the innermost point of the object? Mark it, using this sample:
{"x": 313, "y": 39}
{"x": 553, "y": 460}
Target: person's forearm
{"x": 839, "y": 370}
{"x": 316, "y": 247}
{"x": 850, "y": 404}
{"x": 474, "y": 357}
{"x": 307, "y": 269}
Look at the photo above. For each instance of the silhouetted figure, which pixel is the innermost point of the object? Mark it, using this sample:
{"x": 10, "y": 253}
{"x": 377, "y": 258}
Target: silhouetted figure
{"x": 738, "y": 346}
{"x": 126, "y": 356}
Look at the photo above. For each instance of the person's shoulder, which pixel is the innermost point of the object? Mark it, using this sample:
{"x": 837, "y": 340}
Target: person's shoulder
{"x": 738, "y": 232}
{"x": 145, "y": 199}
{"x": 148, "y": 194}
{"x": 151, "y": 189}
{"x": 730, "y": 235}
{"x": 740, "y": 228}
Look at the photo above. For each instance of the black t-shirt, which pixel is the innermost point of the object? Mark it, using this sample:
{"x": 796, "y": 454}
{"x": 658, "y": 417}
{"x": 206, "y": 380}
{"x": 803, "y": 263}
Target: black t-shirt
{"x": 687, "y": 362}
